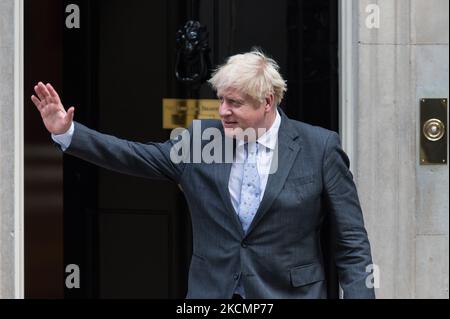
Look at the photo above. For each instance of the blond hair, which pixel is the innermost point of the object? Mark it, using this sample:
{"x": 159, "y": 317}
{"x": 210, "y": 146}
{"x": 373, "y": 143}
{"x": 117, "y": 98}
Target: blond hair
{"x": 251, "y": 73}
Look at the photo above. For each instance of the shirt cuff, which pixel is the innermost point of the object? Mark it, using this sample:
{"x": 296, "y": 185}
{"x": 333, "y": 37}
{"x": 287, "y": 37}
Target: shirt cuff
{"x": 64, "y": 139}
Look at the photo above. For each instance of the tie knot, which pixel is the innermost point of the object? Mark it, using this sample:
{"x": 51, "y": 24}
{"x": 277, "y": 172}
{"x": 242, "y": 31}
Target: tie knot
{"x": 251, "y": 148}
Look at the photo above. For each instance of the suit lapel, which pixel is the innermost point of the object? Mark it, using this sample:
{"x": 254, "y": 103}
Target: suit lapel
{"x": 286, "y": 151}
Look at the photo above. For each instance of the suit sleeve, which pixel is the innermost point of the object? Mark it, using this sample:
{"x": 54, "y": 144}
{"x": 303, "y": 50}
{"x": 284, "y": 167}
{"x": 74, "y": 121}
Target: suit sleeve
{"x": 352, "y": 251}
{"x": 151, "y": 160}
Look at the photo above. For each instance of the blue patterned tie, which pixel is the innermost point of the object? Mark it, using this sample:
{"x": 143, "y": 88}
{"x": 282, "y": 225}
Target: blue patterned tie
{"x": 250, "y": 189}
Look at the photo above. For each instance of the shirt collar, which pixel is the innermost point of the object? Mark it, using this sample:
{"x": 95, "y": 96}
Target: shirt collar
{"x": 269, "y": 138}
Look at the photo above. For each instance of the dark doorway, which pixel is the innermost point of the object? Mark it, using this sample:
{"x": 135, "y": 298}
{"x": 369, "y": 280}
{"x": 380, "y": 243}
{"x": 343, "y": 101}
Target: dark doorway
{"x": 131, "y": 236}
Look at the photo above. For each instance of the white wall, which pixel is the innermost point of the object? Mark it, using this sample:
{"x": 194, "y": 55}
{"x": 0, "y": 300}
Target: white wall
{"x": 429, "y": 38}
{"x": 405, "y": 204}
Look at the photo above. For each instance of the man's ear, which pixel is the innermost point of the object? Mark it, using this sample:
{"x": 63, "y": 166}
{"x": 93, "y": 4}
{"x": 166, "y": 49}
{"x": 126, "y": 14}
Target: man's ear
{"x": 268, "y": 103}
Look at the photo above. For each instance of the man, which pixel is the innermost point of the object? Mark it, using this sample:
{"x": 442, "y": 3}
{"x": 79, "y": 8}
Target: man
{"x": 256, "y": 220}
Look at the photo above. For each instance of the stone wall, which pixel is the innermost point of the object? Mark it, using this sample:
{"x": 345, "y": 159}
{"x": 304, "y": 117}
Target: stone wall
{"x": 405, "y": 204}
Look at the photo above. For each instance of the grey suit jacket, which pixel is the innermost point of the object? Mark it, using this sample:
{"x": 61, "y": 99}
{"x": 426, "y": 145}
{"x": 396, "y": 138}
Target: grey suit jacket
{"x": 280, "y": 256}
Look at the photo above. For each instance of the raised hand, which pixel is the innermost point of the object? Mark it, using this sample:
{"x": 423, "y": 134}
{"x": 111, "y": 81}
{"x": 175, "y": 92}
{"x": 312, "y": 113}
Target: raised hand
{"x": 54, "y": 116}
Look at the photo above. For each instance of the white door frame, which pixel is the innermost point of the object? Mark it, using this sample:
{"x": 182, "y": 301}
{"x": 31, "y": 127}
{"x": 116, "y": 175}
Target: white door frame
{"x": 19, "y": 260}
{"x": 348, "y": 74}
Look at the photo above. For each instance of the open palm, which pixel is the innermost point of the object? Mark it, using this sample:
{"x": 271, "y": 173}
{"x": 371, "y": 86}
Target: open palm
{"x": 54, "y": 116}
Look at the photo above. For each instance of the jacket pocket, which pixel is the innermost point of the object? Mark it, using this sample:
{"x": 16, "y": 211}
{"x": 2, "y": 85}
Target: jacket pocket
{"x": 306, "y": 274}
{"x": 302, "y": 180}
{"x": 305, "y": 179}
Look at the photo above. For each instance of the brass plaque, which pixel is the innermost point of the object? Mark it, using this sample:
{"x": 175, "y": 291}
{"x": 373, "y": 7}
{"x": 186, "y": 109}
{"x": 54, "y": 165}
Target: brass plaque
{"x": 433, "y": 131}
{"x": 181, "y": 112}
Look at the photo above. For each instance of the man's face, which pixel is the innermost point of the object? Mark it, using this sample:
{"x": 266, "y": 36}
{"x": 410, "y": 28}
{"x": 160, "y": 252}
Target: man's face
{"x": 238, "y": 110}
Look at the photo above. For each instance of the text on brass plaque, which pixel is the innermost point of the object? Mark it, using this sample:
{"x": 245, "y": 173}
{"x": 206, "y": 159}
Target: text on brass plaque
{"x": 181, "y": 112}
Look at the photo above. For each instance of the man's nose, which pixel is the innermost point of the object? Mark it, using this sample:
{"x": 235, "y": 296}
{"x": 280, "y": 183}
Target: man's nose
{"x": 224, "y": 109}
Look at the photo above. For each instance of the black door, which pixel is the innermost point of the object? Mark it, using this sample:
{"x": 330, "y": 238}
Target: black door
{"x": 131, "y": 237}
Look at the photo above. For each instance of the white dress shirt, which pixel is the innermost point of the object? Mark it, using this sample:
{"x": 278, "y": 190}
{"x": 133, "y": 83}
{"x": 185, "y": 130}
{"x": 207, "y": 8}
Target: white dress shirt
{"x": 64, "y": 139}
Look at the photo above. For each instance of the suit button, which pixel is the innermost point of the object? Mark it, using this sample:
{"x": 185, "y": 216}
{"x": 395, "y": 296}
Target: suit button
{"x": 244, "y": 244}
{"x": 236, "y": 276}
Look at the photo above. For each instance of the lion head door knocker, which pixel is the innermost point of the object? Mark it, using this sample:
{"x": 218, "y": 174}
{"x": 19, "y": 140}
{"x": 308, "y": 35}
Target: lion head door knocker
{"x": 193, "y": 64}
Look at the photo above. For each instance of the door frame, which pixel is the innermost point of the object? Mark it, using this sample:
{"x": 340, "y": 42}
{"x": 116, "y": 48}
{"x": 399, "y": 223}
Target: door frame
{"x": 348, "y": 74}
{"x": 19, "y": 177}
{"x": 348, "y": 71}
